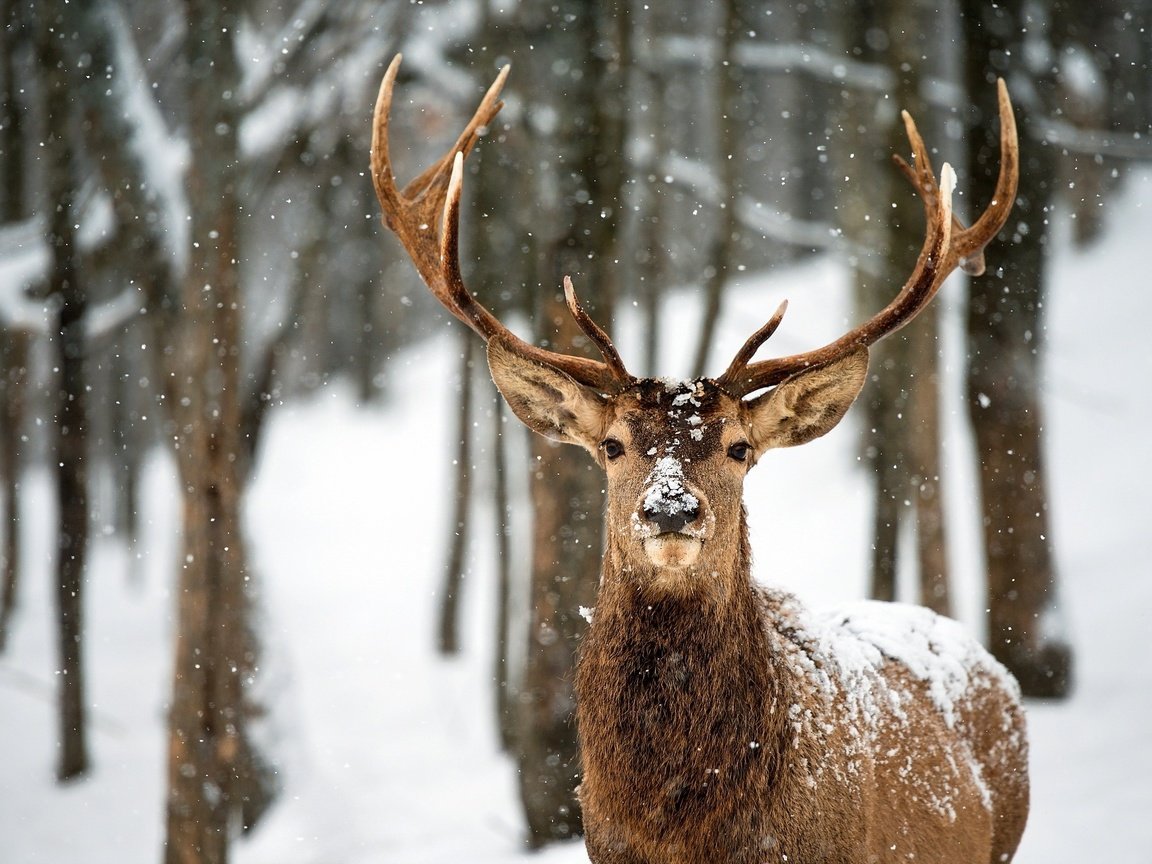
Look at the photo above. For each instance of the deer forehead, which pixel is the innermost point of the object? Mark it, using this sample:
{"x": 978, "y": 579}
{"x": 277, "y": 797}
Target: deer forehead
{"x": 689, "y": 420}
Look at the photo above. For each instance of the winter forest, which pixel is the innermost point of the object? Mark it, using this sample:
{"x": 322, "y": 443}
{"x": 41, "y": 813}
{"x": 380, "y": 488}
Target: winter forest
{"x": 282, "y": 579}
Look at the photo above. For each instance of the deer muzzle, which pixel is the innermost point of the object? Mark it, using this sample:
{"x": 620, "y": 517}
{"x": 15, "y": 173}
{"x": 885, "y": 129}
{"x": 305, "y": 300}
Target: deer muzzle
{"x": 672, "y": 516}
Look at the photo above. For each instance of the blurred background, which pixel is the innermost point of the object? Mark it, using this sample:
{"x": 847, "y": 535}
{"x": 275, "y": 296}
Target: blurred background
{"x": 246, "y": 457}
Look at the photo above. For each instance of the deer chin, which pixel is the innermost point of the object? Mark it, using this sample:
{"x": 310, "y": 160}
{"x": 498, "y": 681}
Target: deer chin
{"x": 672, "y": 550}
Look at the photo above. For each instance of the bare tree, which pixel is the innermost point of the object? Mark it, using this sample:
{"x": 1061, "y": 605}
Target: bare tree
{"x": 1005, "y": 338}
{"x": 456, "y": 565}
{"x": 14, "y": 341}
{"x": 67, "y": 290}
{"x": 215, "y": 776}
{"x": 901, "y": 425}
{"x": 581, "y": 189}
{"x": 726, "y": 159}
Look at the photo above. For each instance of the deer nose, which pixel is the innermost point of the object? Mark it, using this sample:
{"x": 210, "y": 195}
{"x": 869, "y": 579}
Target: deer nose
{"x": 672, "y": 514}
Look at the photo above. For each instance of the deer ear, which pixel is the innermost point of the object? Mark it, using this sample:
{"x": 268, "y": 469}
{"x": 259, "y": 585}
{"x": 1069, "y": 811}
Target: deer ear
{"x": 806, "y": 405}
{"x": 547, "y": 400}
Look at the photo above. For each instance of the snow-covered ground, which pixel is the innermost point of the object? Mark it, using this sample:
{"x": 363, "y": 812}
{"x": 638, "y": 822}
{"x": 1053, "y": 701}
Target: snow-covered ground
{"x": 388, "y": 753}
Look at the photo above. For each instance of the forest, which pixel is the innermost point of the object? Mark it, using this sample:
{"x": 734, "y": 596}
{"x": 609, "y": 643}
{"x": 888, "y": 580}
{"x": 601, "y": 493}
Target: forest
{"x": 281, "y": 576}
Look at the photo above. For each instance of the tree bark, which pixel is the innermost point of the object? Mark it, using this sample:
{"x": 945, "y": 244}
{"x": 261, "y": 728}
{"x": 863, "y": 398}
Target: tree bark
{"x": 13, "y": 384}
{"x": 728, "y": 172}
{"x": 582, "y": 196}
{"x": 918, "y": 431}
{"x": 901, "y": 439}
{"x": 1005, "y": 344}
{"x": 650, "y": 260}
{"x": 505, "y": 685}
{"x": 215, "y": 777}
{"x": 66, "y": 288}
{"x": 869, "y": 227}
{"x": 14, "y": 343}
{"x": 455, "y": 565}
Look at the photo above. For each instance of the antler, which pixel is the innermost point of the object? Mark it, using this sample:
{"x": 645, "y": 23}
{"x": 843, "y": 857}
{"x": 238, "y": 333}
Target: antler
{"x": 433, "y": 199}
{"x": 947, "y": 244}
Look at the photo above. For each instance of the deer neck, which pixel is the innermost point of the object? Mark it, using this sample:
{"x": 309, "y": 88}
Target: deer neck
{"x": 697, "y": 671}
{"x": 712, "y": 606}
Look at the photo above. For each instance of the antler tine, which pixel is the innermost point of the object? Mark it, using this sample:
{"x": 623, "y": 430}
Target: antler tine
{"x": 593, "y": 331}
{"x": 431, "y": 202}
{"x": 382, "y": 177}
{"x": 744, "y": 356}
{"x": 972, "y": 241}
{"x": 412, "y": 213}
{"x": 917, "y": 292}
{"x": 947, "y": 244}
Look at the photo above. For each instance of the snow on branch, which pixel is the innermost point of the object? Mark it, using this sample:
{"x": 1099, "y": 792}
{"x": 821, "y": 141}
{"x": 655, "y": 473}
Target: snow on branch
{"x": 702, "y": 181}
{"x": 162, "y": 157}
{"x": 816, "y": 62}
{"x": 325, "y": 49}
{"x": 1103, "y": 142}
{"x": 267, "y": 63}
{"x": 794, "y": 56}
{"x": 23, "y": 262}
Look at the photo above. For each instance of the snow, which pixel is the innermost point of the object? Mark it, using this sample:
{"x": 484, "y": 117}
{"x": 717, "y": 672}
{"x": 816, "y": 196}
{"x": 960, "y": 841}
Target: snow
{"x": 163, "y": 156}
{"x": 388, "y": 752}
{"x": 666, "y": 492}
{"x": 937, "y": 651}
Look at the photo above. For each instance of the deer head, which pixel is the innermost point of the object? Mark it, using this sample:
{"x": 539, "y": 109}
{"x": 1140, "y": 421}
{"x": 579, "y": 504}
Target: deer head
{"x": 675, "y": 453}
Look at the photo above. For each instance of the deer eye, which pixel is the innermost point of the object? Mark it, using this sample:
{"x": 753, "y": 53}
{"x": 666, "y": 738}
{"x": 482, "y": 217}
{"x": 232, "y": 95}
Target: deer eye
{"x": 739, "y": 451}
{"x": 612, "y": 448}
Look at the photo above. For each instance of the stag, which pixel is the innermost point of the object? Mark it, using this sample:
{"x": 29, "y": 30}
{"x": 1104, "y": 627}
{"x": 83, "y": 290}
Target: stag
{"x": 719, "y": 720}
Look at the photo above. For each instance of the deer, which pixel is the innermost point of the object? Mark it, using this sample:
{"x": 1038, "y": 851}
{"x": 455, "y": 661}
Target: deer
{"x": 720, "y": 720}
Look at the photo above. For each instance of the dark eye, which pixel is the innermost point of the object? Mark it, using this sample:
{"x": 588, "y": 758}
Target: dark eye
{"x": 739, "y": 451}
{"x": 613, "y": 449}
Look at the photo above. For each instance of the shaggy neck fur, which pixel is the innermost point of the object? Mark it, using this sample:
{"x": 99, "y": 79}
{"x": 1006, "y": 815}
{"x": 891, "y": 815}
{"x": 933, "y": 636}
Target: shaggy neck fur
{"x": 681, "y": 715}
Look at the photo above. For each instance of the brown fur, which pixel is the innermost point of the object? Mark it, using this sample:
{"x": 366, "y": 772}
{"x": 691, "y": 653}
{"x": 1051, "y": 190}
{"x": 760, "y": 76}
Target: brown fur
{"x": 720, "y": 721}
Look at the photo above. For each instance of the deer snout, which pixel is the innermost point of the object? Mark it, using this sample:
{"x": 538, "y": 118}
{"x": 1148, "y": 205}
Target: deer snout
{"x": 671, "y": 504}
{"x": 673, "y": 520}
{"x": 672, "y": 515}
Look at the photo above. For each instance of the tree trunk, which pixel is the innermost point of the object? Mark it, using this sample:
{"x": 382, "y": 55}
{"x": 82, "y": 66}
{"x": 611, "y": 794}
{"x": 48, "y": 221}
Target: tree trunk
{"x": 216, "y": 781}
{"x": 130, "y": 441}
{"x": 455, "y": 565}
{"x": 901, "y": 400}
{"x": 868, "y": 225}
{"x": 728, "y": 172}
{"x": 14, "y": 343}
{"x": 505, "y": 686}
{"x": 566, "y": 487}
{"x": 13, "y": 384}
{"x": 650, "y": 259}
{"x": 927, "y": 481}
{"x": 918, "y": 431}
{"x": 70, "y": 446}
{"x": 1005, "y": 340}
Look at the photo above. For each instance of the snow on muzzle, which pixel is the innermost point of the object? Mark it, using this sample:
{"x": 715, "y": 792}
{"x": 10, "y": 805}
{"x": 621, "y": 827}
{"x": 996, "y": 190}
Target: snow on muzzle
{"x": 670, "y": 505}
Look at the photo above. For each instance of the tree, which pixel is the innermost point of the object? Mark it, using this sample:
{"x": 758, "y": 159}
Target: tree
{"x": 883, "y": 219}
{"x": 215, "y": 776}
{"x": 728, "y": 164}
{"x": 1005, "y": 339}
{"x": 456, "y": 566}
{"x": 14, "y": 341}
{"x": 67, "y": 288}
{"x": 576, "y": 204}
